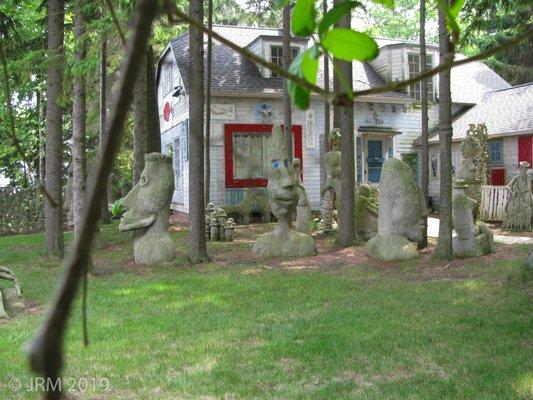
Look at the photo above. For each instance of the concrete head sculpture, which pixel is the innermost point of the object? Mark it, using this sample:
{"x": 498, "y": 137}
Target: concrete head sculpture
{"x": 401, "y": 209}
{"x": 283, "y": 199}
{"x": 332, "y": 188}
{"x": 472, "y": 238}
{"x": 11, "y": 301}
{"x": 147, "y": 209}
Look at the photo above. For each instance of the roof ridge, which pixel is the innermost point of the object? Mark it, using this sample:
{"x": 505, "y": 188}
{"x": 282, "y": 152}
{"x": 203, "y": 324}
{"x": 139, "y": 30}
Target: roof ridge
{"x": 513, "y": 87}
{"x": 245, "y": 27}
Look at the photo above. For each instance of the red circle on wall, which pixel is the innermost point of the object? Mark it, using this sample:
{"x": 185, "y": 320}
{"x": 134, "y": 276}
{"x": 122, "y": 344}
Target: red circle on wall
{"x": 166, "y": 111}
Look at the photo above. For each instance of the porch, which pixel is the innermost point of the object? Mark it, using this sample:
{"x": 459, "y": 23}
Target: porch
{"x": 374, "y": 144}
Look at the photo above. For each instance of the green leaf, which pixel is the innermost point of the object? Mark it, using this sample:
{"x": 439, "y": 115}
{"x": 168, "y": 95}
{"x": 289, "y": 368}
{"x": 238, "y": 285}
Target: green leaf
{"x": 305, "y": 65}
{"x": 386, "y": 3}
{"x": 450, "y": 17}
{"x": 456, "y": 8}
{"x": 309, "y": 66}
{"x": 346, "y": 44}
{"x": 303, "y": 18}
{"x": 300, "y": 96}
{"x": 335, "y": 15}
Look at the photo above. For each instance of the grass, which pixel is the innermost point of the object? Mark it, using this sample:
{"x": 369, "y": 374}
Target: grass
{"x": 247, "y": 330}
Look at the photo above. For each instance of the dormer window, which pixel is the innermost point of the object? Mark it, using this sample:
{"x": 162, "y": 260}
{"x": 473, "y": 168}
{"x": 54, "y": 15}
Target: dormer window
{"x": 276, "y": 56}
{"x": 414, "y": 70}
{"x": 166, "y": 78}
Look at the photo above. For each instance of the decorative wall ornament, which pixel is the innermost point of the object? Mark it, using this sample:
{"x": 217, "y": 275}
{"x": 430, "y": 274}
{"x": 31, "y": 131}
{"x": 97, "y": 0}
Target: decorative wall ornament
{"x": 222, "y": 111}
{"x": 310, "y": 125}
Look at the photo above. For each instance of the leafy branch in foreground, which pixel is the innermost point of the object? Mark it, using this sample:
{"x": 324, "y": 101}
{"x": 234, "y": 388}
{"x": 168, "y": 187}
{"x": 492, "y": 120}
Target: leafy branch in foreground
{"x": 344, "y": 99}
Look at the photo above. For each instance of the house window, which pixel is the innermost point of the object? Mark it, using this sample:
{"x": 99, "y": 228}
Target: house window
{"x": 276, "y": 56}
{"x": 246, "y": 154}
{"x": 166, "y": 79}
{"x": 414, "y": 70}
{"x": 496, "y": 152}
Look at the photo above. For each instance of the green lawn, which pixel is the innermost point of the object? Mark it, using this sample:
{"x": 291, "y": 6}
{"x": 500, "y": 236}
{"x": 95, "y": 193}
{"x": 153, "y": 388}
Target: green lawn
{"x": 246, "y": 330}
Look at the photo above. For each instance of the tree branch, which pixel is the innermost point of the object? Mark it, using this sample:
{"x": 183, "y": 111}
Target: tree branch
{"x": 115, "y": 21}
{"x": 45, "y": 351}
{"x": 344, "y": 98}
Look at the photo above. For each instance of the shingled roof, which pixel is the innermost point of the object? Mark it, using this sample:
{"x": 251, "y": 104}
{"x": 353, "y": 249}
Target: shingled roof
{"x": 234, "y": 73}
{"x": 506, "y": 112}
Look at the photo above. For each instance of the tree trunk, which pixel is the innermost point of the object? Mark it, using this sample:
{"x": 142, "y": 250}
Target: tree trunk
{"x": 104, "y": 208}
{"x": 140, "y": 133}
{"x": 444, "y": 245}
{"x": 286, "y": 62}
{"x": 79, "y": 158}
{"x": 337, "y": 88}
{"x": 197, "y": 246}
{"x": 154, "y": 130}
{"x": 346, "y": 121}
{"x": 208, "y": 105}
{"x": 424, "y": 151}
{"x": 53, "y": 213}
{"x": 327, "y": 115}
{"x": 39, "y": 167}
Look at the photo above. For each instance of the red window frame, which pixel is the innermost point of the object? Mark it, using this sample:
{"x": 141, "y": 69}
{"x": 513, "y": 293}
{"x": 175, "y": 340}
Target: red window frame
{"x": 525, "y": 149}
{"x": 230, "y": 129}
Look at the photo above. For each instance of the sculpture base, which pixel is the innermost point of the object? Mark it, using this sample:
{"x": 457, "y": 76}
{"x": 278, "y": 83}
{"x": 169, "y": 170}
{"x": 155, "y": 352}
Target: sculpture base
{"x": 153, "y": 248}
{"x": 479, "y": 245}
{"x": 292, "y": 244}
{"x": 391, "y": 248}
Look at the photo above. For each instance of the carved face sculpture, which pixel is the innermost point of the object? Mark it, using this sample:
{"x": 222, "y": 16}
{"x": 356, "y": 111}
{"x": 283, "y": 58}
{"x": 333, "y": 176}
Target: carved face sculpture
{"x": 150, "y": 197}
{"x": 282, "y": 181}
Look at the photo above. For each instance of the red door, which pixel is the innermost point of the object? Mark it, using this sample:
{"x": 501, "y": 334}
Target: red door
{"x": 525, "y": 149}
{"x": 497, "y": 176}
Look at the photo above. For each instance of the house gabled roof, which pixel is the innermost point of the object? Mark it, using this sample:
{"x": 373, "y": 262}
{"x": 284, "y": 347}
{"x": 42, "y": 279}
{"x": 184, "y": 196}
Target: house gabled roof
{"x": 506, "y": 112}
{"x": 234, "y": 73}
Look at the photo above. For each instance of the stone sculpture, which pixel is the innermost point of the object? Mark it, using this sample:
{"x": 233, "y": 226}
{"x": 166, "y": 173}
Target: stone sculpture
{"x": 366, "y": 213}
{"x": 218, "y": 227}
{"x": 254, "y": 200}
{"x": 401, "y": 211}
{"x": 474, "y": 169}
{"x": 472, "y": 238}
{"x": 519, "y": 207}
{"x": 303, "y": 210}
{"x": 147, "y": 210}
{"x": 11, "y": 301}
{"x": 332, "y": 188}
{"x": 283, "y": 241}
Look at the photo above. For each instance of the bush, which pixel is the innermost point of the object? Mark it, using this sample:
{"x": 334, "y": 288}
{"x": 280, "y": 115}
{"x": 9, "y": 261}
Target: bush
{"x": 117, "y": 209}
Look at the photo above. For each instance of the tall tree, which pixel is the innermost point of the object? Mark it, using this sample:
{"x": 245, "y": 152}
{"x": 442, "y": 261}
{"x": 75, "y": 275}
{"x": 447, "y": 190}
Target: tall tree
{"x": 140, "y": 130}
{"x": 346, "y": 125}
{"x": 424, "y": 137}
{"x": 197, "y": 246}
{"x": 154, "y": 131}
{"x": 327, "y": 116}
{"x": 208, "y": 104}
{"x": 444, "y": 245}
{"x": 53, "y": 211}
{"x": 286, "y": 62}
{"x": 79, "y": 158}
{"x": 102, "y": 114}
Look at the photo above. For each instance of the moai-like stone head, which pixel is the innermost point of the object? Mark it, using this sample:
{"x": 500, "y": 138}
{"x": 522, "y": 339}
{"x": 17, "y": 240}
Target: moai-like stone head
{"x": 149, "y": 200}
{"x": 401, "y": 203}
{"x": 147, "y": 208}
{"x": 282, "y": 181}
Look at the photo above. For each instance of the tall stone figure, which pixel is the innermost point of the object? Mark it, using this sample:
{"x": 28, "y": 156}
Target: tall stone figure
{"x": 472, "y": 238}
{"x": 332, "y": 188}
{"x": 303, "y": 210}
{"x": 400, "y": 217}
{"x": 147, "y": 210}
{"x": 11, "y": 300}
{"x": 519, "y": 207}
{"x": 283, "y": 198}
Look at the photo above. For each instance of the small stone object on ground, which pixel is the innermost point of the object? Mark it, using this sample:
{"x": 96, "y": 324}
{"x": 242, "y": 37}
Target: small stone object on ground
{"x": 147, "y": 210}
{"x": 283, "y": 241}
{"x": 11, "y": 300}
{"x": 401, "y": 211}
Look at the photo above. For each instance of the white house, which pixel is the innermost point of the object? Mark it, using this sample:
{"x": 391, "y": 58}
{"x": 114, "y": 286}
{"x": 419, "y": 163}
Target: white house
{"x": 508, "y": 115}
{"x": 247, "y": 100}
